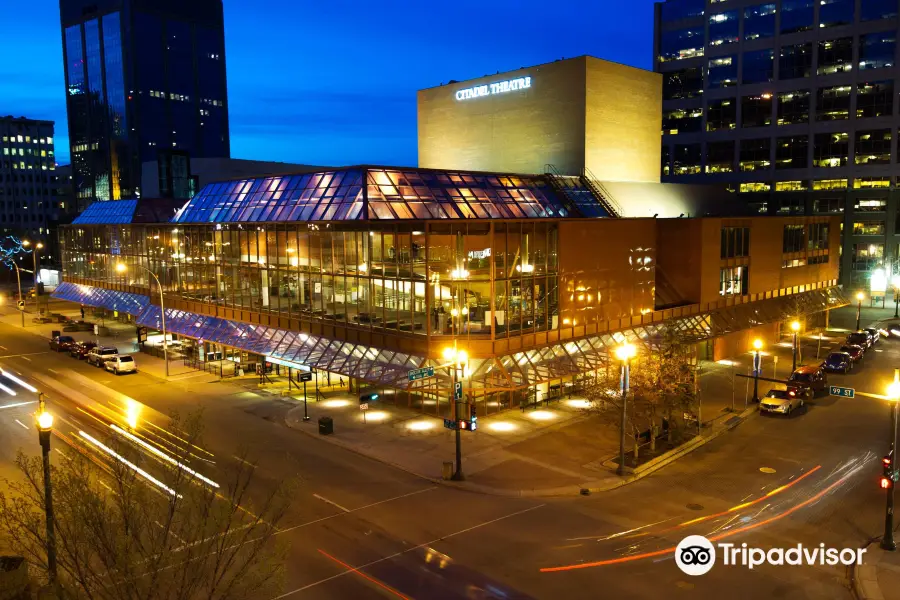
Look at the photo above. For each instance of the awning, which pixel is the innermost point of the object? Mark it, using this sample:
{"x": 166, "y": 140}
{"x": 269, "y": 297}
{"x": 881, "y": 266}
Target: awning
{"x": 132, "y": 304}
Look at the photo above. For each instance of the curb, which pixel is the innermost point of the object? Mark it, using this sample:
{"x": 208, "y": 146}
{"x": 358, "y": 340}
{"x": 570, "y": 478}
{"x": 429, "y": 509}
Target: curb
{"x": 864, "y": 579}
{"x": 569, "y": 490}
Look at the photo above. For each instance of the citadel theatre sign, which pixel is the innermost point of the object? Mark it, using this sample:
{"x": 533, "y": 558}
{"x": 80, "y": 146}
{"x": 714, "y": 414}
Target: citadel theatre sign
{"x": 490, "y": 89}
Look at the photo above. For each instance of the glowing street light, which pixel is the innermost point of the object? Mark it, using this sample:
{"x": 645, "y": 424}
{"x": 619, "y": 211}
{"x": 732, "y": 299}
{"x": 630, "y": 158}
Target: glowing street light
{"x": 121, "y": 268}
{"x": 45, "y": 429}
{"x": 893, "y": 394}
{"x": 859, "y": 299}
{"x": 624, "y": 353}
{"x": 757, "y": 367}
{"x": 458, "y": 360}
{"x": 795, "y": 327}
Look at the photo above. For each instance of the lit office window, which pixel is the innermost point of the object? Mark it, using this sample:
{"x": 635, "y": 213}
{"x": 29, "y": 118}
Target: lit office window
{"x": 877, "y": 50}
{"x": 868, "y": 228}
{"x": 796, "y": 15}
{"x": 683, "y": 84}
{"x": 720, "y": 157}
{"x": 666, "y": 160}
{"x": 795, "y": 61}
{"x": 759, "y": 21}
{"x": 828, "y": 205}
{"x": 759, "y": 66}
{"x": 831, "y": 150}
{"x": 722, "y": 71}
{"x": 721, "y": 114}
{"x": 873, "y": 147}
{"x": 791, "y": 186}
{"x": 676, "y": 10}
{"x": 682, "y": 120}
{"x": 679, "y": 44}
{"x": 791, "y": 152}
{"x": 833, "y": 103}
{"x": 875, "y": 10}
{"x": 756, "y": 111}
{"x": 833, "y": 13}
{"x": 829, "y": 184}
{"x": 734, "y": 281}
{"x": 835, "y": 56}
{"x": 755, "y": 186}
{"x": 723, "y": 28}
{"x": 866, "y": 256}
{"x": 687, "y": 158}
{"x": 870, "y": 205}
{"x": 872, "y": 183}
{"x": 755, "y": 155}
{"x": 793, "y": 107}
{"x": 875, "y": 99}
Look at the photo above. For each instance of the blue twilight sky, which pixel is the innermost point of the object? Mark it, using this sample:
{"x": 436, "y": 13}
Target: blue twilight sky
{"x": 334, "y": 82}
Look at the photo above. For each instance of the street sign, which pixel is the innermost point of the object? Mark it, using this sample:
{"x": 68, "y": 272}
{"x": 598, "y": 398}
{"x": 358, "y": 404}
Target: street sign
{"x": 449, "y": 424}
{"x": 457, "y": 390}
{"x": 21, "y": 304}
{"x": 843, "y": 392}
{"x": 364, "y": 406}
{"x": 305, "y": 377}
{"x": 422, "y": 373}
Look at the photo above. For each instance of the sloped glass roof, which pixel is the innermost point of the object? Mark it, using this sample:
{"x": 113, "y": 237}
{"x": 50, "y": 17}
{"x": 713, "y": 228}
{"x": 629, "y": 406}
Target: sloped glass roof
{"x": 132, "y": 304}
{"x": 113, "y": 212}
{"x": 376, "y": 193}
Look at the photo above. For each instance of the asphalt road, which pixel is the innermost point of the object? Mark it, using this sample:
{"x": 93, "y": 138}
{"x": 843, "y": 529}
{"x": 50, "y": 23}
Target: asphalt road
{"x": 361, "y": 529}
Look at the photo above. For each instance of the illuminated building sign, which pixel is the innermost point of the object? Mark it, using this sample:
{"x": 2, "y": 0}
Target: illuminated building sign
{"x": 489, "y": 89}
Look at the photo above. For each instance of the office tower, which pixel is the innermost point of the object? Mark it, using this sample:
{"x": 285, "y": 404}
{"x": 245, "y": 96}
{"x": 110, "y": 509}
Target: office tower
{"x": 141, "y": 76}
{"x": 28, "y": 185}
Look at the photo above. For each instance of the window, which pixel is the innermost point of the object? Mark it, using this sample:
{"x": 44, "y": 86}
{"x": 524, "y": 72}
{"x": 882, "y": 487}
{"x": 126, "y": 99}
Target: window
{"x": 681, "y": 43}
{"x": 756, "y": 186}
{"x": 793, "y": 108}
{"x": 683, "y": 84}
{"x": 873, "y": 147}
{"x": 793, "y": 262}
{"x": 682, "y": 120}
{"x": 666, "y": 160}
{"x": 871, "y": 183}
{"x": 723, "y": 28}
{"x": 722, "y": 71}
{"x": 791, "y": 152}
{"x": 722, "y": 114}
{"x": 875, "y": 99}
{"x": 687, "y": 159}
{"x": 875, "y": 10}
{"x": 829, "y": 205}
{"x": 877, "y": 50}
{"x": 755, "y": 154}
{"x": 791, "y": 186}
{"x": 795, "y": 61}
{"x": 833, "y": 13}
{"x": 835, "y": 56}
{"x": 792, "y": 240}
{"x": 720, "y": 157}
{"x": 735, "y": 242}
{"x": 829, "y": 184}
{"x": 796, "y": 15}
{"x": 868, "y": 228}
{"x": 734, "y": 281}
{"x": 817, "y": 260}
{"x": 831, "y": 150}
{"x": 756, "y": 111}
{"x": 870, "y": 205}
{"x": 675, "y": 10}
{"x": 833, "y": 103}
{"x": 759, "y": 66}
{"x": 759, "y": 21}
{"x": 866, "y": 256}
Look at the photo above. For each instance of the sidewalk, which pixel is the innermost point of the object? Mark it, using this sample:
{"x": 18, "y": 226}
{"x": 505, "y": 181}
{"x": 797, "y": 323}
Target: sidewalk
{"x": 879, "y": 577}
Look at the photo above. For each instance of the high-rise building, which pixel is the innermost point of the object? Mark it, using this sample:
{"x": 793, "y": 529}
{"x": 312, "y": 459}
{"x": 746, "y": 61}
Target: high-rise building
{"x": 793, "y": 103}
{"x": 141, "y": 76}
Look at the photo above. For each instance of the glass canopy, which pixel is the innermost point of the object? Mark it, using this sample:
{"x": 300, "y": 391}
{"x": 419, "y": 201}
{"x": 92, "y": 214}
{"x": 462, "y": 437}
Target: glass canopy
{"x": 115, "y": 212}
{"x": 132, "y": 304}
{"x": 375, "y": 193}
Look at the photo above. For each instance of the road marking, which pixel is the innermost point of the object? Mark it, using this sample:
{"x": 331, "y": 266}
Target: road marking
{"x": 331, "y": 502}
{"x": 22, "y": 424}
{"x": 18, "y": 404}
{"x": 23, "y": 355}
{"x": 172, "y": 533}
{"x": 63, "y": 454}
{"x": 363, "y": 575}
{"x": 396, "y": 554}
{"x": 55, "y": 372}
{"x": 236, "y": 457}
{"x": 3, "y": 347}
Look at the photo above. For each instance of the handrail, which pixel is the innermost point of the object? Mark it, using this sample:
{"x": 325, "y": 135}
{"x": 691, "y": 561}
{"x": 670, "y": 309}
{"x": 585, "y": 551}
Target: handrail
{"x": 602, "y": 193}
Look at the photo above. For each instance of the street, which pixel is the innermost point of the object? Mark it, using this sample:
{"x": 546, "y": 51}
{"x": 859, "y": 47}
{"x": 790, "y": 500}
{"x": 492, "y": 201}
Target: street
{"x": 361, "y": 529}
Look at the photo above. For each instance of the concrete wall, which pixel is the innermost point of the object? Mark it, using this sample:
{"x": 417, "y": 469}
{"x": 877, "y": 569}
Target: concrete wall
{"x": 622, "y": 122}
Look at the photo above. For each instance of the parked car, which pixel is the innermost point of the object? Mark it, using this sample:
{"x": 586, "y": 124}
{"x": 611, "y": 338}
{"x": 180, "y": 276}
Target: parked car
{"x": 838, "y": 362}
{"x": 101, "y": 354}
{"x": 80, "y": 350}
{"x": 808, "y": 381}
{"x": 121, "y": 364}
{"x": 781, "y": 401}
{"x": 860, "y": 338}
{"x": 876, "y": 335}
{"x": 61, "y": 343}
{"x": 856, "y": 352}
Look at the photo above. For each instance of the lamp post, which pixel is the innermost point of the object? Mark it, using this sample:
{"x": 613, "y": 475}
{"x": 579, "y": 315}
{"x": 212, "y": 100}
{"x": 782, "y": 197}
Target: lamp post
{"x": 457, "y": 360}
{"x": 45, "y": 428}
{"x": 795, "y": 327}
{"x": 624, "y": 353}
{"x": 859, "y": 299}
{"x": 121, "y": 268}
{"x": 895, "y": 281}
{"x": 757, "y": 363}
{"x": 21, "y": 309}
{"x": 887, "y": 540}
{"x": 34, "y": 258}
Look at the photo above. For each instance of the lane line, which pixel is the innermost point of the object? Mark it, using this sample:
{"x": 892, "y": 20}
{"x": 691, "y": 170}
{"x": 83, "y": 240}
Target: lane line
{"x": 15, "y": 404}
{"x": 54, "y": 371}
{"x": 331, "y": 502}
{"x": 361, "y": 574}
{"x": 402, "y": 552}
{"x": 22, "y": 424}
{"x": 23, "y": 357}
{"x": 63, "y": 454}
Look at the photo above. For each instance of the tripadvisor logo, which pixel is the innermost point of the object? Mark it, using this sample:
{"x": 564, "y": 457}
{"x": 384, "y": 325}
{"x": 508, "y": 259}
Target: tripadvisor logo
{"x": 696, "y": 555}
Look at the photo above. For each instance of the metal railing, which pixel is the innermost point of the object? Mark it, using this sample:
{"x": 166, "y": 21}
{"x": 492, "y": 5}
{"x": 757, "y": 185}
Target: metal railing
{"x": 602, "y": 193}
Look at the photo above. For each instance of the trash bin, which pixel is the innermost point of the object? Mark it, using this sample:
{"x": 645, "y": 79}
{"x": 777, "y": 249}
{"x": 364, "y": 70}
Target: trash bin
{"x": 326, "y": 426}
{"x": 447, "y": 471}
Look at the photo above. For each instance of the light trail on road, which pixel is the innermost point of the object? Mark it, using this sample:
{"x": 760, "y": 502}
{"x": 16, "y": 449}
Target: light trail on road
{"x": 361, "y": 574}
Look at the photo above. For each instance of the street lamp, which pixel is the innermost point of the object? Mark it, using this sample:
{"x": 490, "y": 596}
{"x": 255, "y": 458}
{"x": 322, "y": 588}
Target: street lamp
{"x": 887, "y": 540}
{"x": 34, "y": 258}
{"x": 859, "y": 299}
{"x": 895, "y": 282}
{"x": 121, "y": 268}
{"x": 20, "y": 307}
{"x": 795, "y": 327}
{"x": 456, "y": 360}
{"x": 757, "y": 363}
{"x": 45, "y": 428}
{"x": 625, "y": 352}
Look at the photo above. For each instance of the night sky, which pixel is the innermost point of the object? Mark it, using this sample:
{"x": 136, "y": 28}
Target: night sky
{"x": 333, "y": 82}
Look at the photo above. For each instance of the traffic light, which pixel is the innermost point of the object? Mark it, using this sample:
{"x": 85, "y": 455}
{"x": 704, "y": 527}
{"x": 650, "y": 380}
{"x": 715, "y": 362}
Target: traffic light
{"x": 885, "y": 483}
{"x": 887, "y": 471}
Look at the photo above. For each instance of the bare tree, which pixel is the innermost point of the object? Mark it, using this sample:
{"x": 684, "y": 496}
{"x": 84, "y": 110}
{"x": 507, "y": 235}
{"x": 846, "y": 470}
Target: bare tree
{"x": 119, "y": 537}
